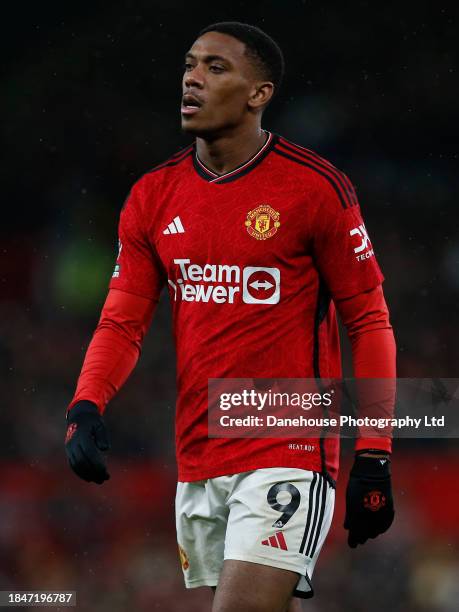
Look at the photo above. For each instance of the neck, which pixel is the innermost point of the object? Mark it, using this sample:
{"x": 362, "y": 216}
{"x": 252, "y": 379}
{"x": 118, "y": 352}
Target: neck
{"x": 228, "y": 151}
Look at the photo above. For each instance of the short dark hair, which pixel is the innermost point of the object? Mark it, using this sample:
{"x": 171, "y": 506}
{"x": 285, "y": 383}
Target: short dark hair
{"x": 262, "y": 50}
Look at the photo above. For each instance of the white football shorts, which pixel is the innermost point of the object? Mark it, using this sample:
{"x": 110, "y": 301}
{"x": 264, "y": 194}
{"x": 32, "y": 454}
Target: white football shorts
{"x": 274, "y": 516}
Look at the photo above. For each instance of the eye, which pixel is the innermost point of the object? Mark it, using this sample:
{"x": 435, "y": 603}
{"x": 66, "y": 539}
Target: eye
{"x": 187, "y": 66}
{"x": 216, "y": 68}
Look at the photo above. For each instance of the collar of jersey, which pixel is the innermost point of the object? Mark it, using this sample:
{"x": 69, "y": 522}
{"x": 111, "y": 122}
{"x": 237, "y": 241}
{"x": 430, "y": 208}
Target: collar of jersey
{"x": 250, "y": 164}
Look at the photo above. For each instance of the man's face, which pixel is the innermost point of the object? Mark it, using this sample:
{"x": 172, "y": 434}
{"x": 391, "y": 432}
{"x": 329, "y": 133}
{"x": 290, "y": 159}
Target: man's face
{"x": 217, "y": 84}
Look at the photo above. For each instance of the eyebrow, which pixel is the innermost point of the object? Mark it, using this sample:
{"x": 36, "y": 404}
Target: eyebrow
{"x": 209, "y": 58}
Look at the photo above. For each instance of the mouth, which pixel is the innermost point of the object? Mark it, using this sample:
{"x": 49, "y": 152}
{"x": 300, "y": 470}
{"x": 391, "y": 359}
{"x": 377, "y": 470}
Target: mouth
{"x": 190, "y": 105}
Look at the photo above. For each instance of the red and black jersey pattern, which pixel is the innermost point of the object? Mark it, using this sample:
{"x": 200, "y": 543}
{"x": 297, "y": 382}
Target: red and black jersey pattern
{"x": 175, "y": 159}
{"x": 337, "y": 179}
{"x": 241, "y": 170}
{"x": 261, "y": 255}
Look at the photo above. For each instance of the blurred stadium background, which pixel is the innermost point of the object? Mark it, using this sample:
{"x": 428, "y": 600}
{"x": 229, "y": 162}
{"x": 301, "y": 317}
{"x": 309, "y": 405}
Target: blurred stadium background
{"x": 90, "y": 101}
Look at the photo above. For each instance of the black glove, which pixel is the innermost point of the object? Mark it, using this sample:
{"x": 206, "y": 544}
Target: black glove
{"x": 86, "y": 437}
{"x": 369, "y": 502}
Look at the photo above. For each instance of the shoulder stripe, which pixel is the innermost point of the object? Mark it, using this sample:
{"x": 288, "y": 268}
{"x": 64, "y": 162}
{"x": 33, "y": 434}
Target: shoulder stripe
{"x": 175, "y": 159}
{"x": 172, "y": 162}
{"x": 182, "y": 151}
{"x": 311, "y": 156}
{"x": 314, "y": 167}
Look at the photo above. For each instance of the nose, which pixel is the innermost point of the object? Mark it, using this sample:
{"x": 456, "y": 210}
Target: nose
{"x": 194, "y": 78}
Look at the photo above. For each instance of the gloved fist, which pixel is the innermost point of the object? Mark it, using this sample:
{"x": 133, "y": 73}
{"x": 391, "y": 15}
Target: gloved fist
{"x": 369, "y": 501}
{"x": 86, "y": 437}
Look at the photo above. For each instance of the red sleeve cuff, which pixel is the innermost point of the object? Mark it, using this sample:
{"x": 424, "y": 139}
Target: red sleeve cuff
{"x": 382, "y": 444}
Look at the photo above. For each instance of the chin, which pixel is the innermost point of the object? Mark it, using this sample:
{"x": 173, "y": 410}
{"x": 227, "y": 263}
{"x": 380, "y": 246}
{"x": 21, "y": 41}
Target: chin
{"x": 195, "y": 128}
{"x": 190, "y": 127}
{"x": 199, "y": 130}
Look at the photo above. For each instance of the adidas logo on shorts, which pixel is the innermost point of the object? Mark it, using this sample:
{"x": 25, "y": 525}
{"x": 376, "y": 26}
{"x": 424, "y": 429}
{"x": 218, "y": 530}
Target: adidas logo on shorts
{"x": 276, "y": 541}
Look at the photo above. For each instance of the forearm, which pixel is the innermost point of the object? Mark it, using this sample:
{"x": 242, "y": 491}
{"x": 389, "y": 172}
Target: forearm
{"x": 374, "y": 359}
{"x": 115, "y": 347}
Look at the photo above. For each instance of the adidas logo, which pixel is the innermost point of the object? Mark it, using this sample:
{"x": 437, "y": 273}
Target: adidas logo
{"x": 276, "y": 541}
{"x": 175, "y": 227}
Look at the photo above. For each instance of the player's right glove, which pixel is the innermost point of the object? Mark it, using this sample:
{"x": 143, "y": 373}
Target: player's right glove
{"x": 369, "y": 502}
{"x": 86, "y": 437}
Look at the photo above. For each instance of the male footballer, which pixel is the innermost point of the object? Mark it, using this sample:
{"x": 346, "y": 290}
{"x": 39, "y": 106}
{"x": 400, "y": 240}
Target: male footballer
{"x": 260, "y": 243}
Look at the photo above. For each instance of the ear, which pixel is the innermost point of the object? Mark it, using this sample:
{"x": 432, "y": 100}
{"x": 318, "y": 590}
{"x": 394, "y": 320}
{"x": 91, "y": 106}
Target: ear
{"x": 260, "y": 95}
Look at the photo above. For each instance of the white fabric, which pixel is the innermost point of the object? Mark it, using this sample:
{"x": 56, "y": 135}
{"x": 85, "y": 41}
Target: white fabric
{"x": 230, "y": 517}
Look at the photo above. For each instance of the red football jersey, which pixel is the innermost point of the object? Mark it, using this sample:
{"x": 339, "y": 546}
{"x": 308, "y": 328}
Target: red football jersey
{"x": 253, "y": 260}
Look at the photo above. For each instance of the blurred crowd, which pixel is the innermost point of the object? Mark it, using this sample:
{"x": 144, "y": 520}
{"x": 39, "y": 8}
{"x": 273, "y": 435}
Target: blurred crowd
{"x": 92, "y": 101}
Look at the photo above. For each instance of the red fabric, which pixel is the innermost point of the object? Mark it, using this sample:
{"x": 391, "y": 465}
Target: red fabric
{"x": 114, "y": 348}
{"x": 366, "y": 318}
{"x": 244, "y": 304}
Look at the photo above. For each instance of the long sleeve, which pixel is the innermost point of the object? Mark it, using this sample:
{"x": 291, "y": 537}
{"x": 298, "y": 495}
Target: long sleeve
{"x": 134, "y": 292}
{"x": 366, "y": 319}
{"x": 114, "y": 348}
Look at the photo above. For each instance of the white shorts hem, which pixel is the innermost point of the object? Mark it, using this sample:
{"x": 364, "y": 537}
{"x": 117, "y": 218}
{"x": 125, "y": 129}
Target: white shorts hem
{"x": 198, "y": 582}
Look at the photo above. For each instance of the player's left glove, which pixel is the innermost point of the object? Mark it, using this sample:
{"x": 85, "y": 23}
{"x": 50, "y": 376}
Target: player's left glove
{"x": 369, "y": 501}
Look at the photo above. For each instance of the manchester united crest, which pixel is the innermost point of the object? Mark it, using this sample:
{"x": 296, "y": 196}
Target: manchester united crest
{"x": 183, "y": 558}
{"x": 262, "y": 222}
{"x": 374, "y": 500}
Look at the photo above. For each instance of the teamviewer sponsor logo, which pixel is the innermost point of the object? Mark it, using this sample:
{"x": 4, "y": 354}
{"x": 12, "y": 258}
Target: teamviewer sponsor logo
{"x": 223, "y": 283}
{"x": 269, "y": 284}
